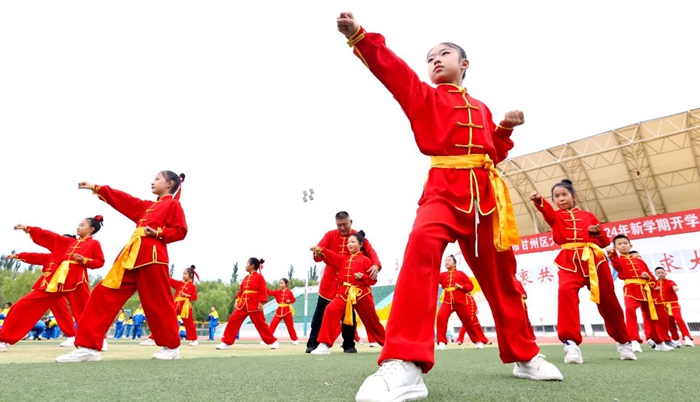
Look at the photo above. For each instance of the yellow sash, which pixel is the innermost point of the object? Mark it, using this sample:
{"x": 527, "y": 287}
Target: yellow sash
{"x": 59, "y": 277}
{"x": 291, "y": 308}
{"x": 186, "y": 306}
{"x": 354, "y": 294}
{"x": 448, "y": 289}
{"x": 125, "y": 260}
{"x": 505, "y": 230}
{"x": 669, "y": 308}
{"x": 590, "y": 251}
{"x": 647, "y": 291}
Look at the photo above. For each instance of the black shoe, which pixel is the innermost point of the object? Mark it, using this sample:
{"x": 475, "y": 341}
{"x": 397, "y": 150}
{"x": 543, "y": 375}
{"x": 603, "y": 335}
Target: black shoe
{"x": 350, "y": 350}
{"x": 310, "y": 349}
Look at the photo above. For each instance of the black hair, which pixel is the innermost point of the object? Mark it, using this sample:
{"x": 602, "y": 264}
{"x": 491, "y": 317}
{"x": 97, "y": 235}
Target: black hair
{"x": 169, "y": 175}
{"x": 342, "y": 215}
{"x": 633, "y": 251}
{"x": 567, "y": 184}
{"x": 659, "y": 268}
{"x": 618, "y": 237}
{"x": 256, "y": 262}
{"x": 72, "y": 236}
{"x": 96, "y": 223}
{"x": 190, "y": 271}
{"x": 453, "y": 258}
{"x": 8, "y": 304}
{"x": 360, "y": 236}
{"x": 285, "y": 280}
{"x": 458, "y": 48}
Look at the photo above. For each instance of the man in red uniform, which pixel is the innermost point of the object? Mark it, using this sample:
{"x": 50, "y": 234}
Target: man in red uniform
{"x": 638, "y": 293}
{"x": 337, "y": 241}
{"x": 669, "y": 298}
{"x": 464, "y": 200}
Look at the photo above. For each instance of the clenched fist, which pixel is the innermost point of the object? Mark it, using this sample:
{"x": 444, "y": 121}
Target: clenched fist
{"x": 512, "y": 119}
{"x": 347, "y": 25}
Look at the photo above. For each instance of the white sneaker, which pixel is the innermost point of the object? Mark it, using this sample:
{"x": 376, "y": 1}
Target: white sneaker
{"x": 636, "y": 347}
{"x": 262, "y": 343}
{"x": 537, "y": 369}
{"x": 663, "y": 347}
{"x": 4, "y": 347}
{"x": 68, "y": 343}
{"x": 374, "y": 345}
{"x": 360, "y": 342}
{"x": 572, "y": 354}
{"x": 479, "y": 345}
{"x": 651, "y": 343}
{"x": 395, "y": 381}
{"x": 194, "y": 343}
{"x": 321, "y": 349}
{"x": 80, "y": 355}
{"x": 625, "y": 351}
{"x": 148, "y": 342}
{"x": 689, "y": 342}
{"x": 223, "y": 346}
{"x": 295, "y": 343}
{"x": 275, "y": 345}
{"x": 167, "y": 354}
{"x": 441, "y": 346}
{"x": 105, "y": 347}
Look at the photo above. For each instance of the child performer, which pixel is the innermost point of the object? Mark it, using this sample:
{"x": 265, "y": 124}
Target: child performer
{"x": 638, "y": 293}
{"x": 63, "y": 316}
{"x": 213, "y": 322}
{"x": 352, "y": 295}
{"x": 119, "y": 330}
{"x": 456, "y": 287}
{"x": 669, "y": 297}
{"x": 4, "y": 312}
{"x": 464, "y": 200}
{"x": 129, "y": 324}
{"x": 69, "y": 279}
{"x": 142, "y": 266}
{"x": 662, "y": 322}
{"x": 581, "y": 262}
{"x": 249, "y": 302}
{"x": 185, "y": 294}
{"x": 285, "y": 298}
{"x": 475, "y": 328}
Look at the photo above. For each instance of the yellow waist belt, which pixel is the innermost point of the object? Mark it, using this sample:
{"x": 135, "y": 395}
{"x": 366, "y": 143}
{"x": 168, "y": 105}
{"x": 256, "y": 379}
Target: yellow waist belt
{"x": 448, "y": 289}
{"x": 647, "y": 292}
{"x": 590, "y": 251}
{"x": 505, "y": 230}
{"x": 354, "y": 294}
{"x": 669, "y": 308}
{"x": 186, "y": 306}
{"x": 125, "y": 260}
{"x": 60, "y": 276}
{"x": 291, "y": 308}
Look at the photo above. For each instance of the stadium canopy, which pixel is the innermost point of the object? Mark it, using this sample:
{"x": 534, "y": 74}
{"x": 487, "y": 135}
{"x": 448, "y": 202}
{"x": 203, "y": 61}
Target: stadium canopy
{"x": 644, "y": 169}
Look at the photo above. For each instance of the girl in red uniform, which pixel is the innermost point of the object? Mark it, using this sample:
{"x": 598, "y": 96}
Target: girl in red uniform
{"x": 142, "y": 266}
{"x": 66, "y": 278}
{"x": 464, "y": 200}
{"x": 285, "y": 298}
{"x": 582, "y": 262}
{"x": 669, "y": 297}
{"x": 185, "y": 294}
{"x": 251, "y": 297}
{"x": 353, "y": 294}
{"x": 457, "y": 287}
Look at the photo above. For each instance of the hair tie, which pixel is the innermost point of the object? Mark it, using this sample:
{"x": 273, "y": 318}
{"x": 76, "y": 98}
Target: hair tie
{"x": 261, "y": 267}
{"x": 179, "y": 190}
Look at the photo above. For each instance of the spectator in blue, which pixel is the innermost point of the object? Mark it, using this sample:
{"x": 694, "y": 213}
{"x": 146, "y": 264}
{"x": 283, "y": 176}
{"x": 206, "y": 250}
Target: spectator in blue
{"x": 213, "y": 323}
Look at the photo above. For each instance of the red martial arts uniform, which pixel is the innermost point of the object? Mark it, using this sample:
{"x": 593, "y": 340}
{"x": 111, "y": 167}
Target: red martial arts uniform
{"x": 185, "y": 294}
{"x": 662, "y": 313}
{"x": 521, "y": 289}
{"x": 638, "y": 293}
{"x": 253, "y": 292}
{"x": 64, "y": 318}
{"x": 65, "y": 278}
{"x": 476, "y": 331}
{"x": 582, "y": 262}
{"x": 464, "y": 200}
{"x": 352, "y": 294}
{"x": 670, "y": 299}
{"x": 456, "y": 299}
{"x": 285, "y": 298}
{"x": 142, "y": 266}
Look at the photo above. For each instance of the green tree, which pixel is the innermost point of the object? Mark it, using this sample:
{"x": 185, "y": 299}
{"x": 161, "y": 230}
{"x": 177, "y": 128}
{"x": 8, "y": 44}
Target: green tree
{"x": 234, "y": 276}
{"x": 172, "y": 270}
{"x": 18, "y": 284}
{"x": 313, "y": 274}
{"x": 8, "y": 263}
{"x": 290, "y": 273}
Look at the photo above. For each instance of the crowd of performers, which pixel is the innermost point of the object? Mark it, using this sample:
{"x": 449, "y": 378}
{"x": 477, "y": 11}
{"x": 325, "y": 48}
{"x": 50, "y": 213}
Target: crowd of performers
{"x": 464, "y": 200}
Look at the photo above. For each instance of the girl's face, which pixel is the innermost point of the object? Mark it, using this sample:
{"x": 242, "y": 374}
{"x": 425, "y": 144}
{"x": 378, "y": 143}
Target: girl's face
{"x": 445, "y": 65}
{"x": 84, "y": 229}
{"x": 160, "y": 185}
{"x": 660, "y": 273}
{"x": 186, "y": 276}
{"x": 449, "y": 263}
{"x": 283, "y": 285}
{"x": 563, "y": 198}
{"x": 249, "y": 267}
{"x": 353, "y": 245}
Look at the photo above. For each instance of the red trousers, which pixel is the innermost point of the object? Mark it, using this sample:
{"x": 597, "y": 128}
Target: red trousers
{"x": 64, "y": 318}
{"x": 334, "y": 314}
{"x": 151, "y": 283}
{"x": 568, "y": 314}
{"x": 288, "y": 321}
{"x": 409, "y": 332}
{"x": 658, "y": 328}
{"x": 530, "y": 329}
{"x": 236, "y": 320}
{"x": 188, "y": 322}
{"x": 26, "y": 312}
{"x": 677, "y": 319}
{"x": 466, "y": 314}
